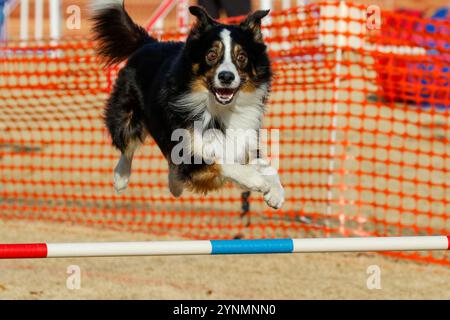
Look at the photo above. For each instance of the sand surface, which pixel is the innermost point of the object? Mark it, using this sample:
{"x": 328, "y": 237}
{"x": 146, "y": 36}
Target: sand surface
{"x": 301, "y": 276}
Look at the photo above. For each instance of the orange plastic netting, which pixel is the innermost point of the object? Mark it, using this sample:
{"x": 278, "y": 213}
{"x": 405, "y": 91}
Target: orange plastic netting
{"x": 364, "y": 131}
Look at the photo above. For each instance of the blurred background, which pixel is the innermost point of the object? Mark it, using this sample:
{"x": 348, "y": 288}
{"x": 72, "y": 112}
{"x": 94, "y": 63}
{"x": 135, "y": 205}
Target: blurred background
{"x": 142, "y": 10}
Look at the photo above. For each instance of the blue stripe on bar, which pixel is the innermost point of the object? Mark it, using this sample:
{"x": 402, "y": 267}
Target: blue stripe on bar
{"x": 252, "y": 246}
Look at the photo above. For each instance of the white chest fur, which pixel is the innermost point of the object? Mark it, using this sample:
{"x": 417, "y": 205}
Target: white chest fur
{"x": 241, "y": 122}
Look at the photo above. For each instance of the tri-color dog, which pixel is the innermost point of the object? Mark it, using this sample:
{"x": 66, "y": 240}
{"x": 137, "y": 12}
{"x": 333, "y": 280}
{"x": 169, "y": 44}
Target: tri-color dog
{"x": 217, "y": 81}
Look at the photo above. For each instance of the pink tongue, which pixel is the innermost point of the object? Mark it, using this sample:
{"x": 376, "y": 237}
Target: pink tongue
{"x": 225, "y": 92}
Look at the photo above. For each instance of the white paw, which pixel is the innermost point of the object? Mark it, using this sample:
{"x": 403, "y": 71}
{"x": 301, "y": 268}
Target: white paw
{"x": 260, "y": 164}
{"x": 263, "y": 167}
{"x": 275, "y": 197}
{"x": 120, "y": 182}
{"x": 260, "y": 185}
{"x": 256, "y": 183}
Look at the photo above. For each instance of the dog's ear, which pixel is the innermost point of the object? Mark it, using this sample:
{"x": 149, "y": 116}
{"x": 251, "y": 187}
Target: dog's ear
{"x": 204, "y": 21}
{"x": 253, "y": 22}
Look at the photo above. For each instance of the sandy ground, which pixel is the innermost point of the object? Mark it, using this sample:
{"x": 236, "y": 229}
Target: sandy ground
{"x": 305, "y": 276}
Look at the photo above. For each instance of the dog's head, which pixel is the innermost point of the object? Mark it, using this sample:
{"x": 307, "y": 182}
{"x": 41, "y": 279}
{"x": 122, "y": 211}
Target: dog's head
{"x": 227, "y": 59}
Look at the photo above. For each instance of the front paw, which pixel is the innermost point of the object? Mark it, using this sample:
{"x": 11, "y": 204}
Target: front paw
{"x": 275, "y": 197}
{"x": 260, "y": 164}
{"x": 258, "y": 184}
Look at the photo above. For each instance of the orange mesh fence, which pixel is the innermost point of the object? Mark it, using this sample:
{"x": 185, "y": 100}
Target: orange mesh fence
{"x": 363, "y": 119}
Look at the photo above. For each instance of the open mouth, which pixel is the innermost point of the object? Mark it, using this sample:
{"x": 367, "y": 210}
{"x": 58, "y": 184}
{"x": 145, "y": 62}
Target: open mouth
{"x": 224, "y": 95}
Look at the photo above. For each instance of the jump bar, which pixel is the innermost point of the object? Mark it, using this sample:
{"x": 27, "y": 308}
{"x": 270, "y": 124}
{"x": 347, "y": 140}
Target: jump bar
{"x": 214, "y": 247}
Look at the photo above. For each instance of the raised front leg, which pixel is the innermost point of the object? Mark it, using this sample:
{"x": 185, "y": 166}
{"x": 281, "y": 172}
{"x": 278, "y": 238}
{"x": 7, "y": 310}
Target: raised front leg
{"x": 250, "y": 178}
{"x": 246, "y": 176}
{"x": 275, "y": 197}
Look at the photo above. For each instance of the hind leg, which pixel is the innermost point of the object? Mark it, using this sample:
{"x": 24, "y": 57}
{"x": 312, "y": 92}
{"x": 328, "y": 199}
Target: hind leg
{"x": 122, "y": 170}
{"x": 176, "y": 186}
{"x": 125, "y": 121}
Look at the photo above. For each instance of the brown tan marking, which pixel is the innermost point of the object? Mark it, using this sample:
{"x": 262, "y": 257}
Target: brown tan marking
{"x": 208, "y": 179}
{"x": 237, "y": 51}
{"x": 219, "y": 49}
{"x": 199, "y": 85}
{"x": 195, "y": 68}
{"x": 248, "y": 85}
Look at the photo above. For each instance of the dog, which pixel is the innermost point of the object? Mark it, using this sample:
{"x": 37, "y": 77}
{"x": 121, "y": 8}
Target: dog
{"x": 217, "y": 81}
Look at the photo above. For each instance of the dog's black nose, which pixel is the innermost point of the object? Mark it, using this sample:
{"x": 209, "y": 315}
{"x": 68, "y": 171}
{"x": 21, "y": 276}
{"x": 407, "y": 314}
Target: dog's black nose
{"x": 226, "y": 77}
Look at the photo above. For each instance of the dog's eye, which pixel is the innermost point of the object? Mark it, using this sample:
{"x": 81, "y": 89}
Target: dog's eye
{"x": 211, "y": 56}
{"x": 242, "y": 57}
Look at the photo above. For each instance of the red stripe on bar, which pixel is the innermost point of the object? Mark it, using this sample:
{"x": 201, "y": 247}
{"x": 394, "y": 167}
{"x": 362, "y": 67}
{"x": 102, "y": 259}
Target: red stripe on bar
{"x": 25, "y": 250}
{"x": 448, "y": 242}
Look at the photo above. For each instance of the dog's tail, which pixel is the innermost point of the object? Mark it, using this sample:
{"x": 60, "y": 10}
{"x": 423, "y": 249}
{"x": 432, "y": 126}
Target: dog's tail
{"x": 116, "y": 34}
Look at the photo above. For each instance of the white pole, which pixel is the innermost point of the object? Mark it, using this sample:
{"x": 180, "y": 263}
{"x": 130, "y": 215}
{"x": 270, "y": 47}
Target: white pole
{"x": 285, "y": 32}
{"x": 214, "y": 247}
{"x": 285, "y": 4}
{"x": 371, "y": 244}
{"x": 55, "y": 19}
{"x": 38, "y": 19}
{"x": 202, "y": 247}
{"x": 159, "y": 26}
{"x": 335, "y": 109}
{"x": 58, "y": 250}
{"x": 24, "y": 11}
{"x": 267, "y": 5}
{"x": 183, "y": 15}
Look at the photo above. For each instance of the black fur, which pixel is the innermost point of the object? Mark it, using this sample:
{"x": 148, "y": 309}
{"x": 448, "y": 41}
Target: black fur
{"x": 158, "y": 73}
{"x": 116, "y": 34}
